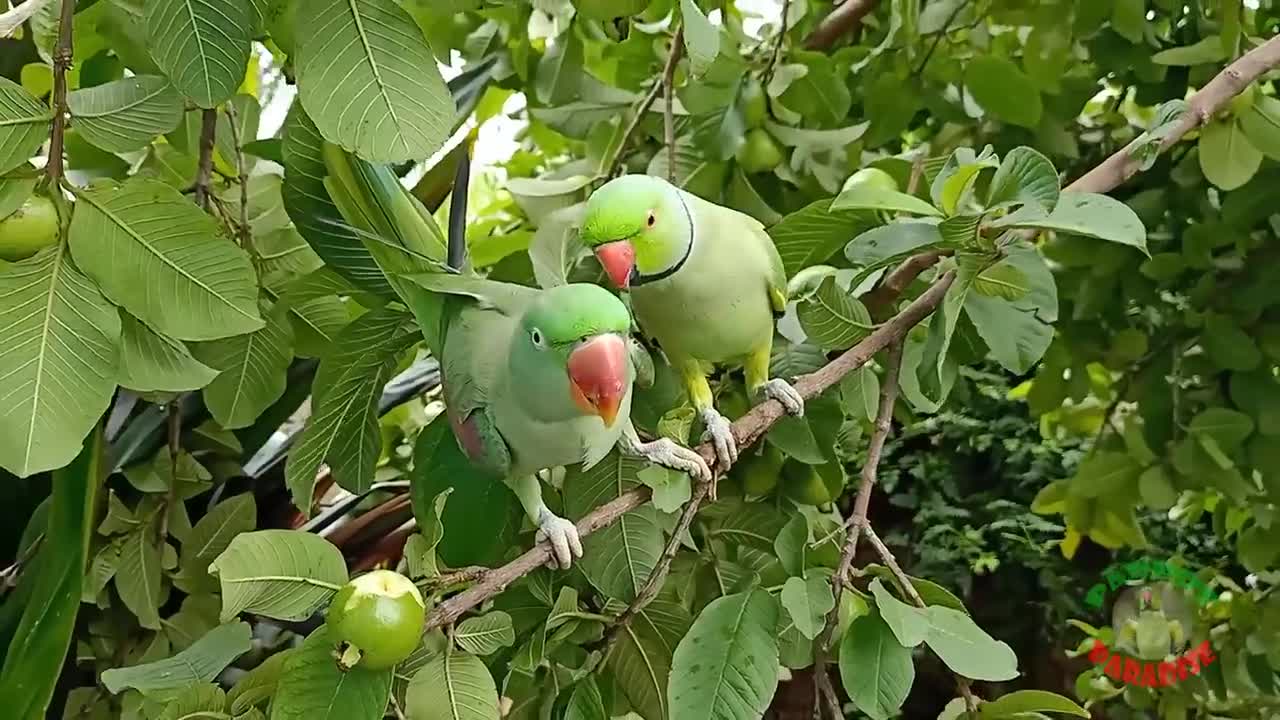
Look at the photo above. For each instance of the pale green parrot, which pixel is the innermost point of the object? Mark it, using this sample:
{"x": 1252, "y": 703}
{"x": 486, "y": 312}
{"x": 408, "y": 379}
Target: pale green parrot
{"x": 706, "y": 283}
{"x": 533, "y": 379}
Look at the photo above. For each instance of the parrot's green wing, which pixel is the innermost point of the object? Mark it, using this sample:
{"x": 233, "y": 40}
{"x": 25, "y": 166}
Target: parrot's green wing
{"x": 737, "y": 224}
{"x": 777, "y": 272}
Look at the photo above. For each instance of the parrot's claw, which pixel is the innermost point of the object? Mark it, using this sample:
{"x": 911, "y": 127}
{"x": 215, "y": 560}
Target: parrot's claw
{"x": 670, "y": 454}
{"x": 720, "y": 432}
{"x": 782, "y": 391}
{"x": 565, "y": 543}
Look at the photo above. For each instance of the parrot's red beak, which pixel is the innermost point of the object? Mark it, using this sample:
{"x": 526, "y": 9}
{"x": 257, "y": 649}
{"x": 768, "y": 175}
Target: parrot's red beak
{"x": 598, "y": 376}
{"x": 619, "y": 260}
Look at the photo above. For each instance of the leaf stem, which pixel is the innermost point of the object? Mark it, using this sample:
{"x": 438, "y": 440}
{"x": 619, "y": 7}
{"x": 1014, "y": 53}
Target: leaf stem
{"x": 244, "y": 233}
{"x": 62, "y": 55}
{"x": 668, "y": 72}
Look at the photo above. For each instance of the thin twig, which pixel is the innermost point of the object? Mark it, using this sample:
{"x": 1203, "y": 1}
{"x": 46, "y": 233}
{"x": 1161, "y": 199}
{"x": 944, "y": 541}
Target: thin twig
{"x": 746, "y": 430}
{"x": 245, "y": 233}
{"x": 777, "y": 43}
{"x": 668, "y": 110}
{"x": 677, "y": 48}
{"x": 62, "y": 55}
{"x": 845, "y": 18}
{"x": 204, "y": 166}
{"x": 946, "y": 28}
{"x": 174, "y": 441}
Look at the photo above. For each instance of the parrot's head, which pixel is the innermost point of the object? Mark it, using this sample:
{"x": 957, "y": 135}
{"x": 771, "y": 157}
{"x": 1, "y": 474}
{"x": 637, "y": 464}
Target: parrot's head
{"x": 639, "y": 228}
{"x": 570, "y": 357}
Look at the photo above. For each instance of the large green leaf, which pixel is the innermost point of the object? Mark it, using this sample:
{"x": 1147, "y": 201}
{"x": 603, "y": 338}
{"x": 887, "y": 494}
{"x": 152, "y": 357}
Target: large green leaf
{"x": 486, "y": 634}
{"x": 452, "y": 686}
{"x": 641, "y": 657}
{"x": 312, "y": 687}
{"x": 966, "y": 648}
{"x": 36, "y": 653}
{"x": 701, "y": 37}
{"x": 1018, "y": 331}
{"x": 888, "y": 244}
{"x": 199, "y": 663}
{"x": 1003, "y": 90}
{"x": 616, "y": 559}
{"x": 284, "y": 574}
{"x": 875, "y": 668}
{"x": 150, "y": 361}
{"x": 138, "y": 577}
{"x": 1087, "y": 214}
{"x": 24, "y": 125}
{"x": 203, "y": 47}
{"x": 369, "y": 81}
{"x": 343, "y": 428}
{"x": 865, "y": 196}
{"x": 1020, "y": 703}
{"x": 807, "y": 601}
{"x": 1024, "y": 176}
{"x": 1227, "y": 157}
{"x": 59, "y": 360}
{"x": 726, "y": 667}
{"x": 125, "y": 114}
{"x": 252, "y": 371}
{"x": 215, "y": 531}
{"x": 814, "y": 233}
{"x": 832, "y": 318}
{"x": 158, "y": 255}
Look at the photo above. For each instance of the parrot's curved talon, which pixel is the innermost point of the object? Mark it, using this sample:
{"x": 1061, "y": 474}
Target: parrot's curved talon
{"x": 785, "y": 393}
{"x": 670, "y": 454}
{"x": 565, "y": 543}
{"x": 720, "y": 432}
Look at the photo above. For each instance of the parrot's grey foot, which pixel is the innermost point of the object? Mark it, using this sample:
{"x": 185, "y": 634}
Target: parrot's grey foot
{"x": 720, "y": 432}
{"x": 782, "y": 391}
{"x": 670, "y": 454}
{"x": 565, "y": 543}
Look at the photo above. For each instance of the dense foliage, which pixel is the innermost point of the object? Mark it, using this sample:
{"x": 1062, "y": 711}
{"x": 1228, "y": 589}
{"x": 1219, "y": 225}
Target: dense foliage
{"x": 219, "y": 416}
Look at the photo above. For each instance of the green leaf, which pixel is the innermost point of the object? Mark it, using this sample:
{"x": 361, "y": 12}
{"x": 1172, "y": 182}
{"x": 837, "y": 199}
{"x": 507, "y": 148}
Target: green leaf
{"x": 60, "y": 360}
{"x": 616, "y": 559}
{"x": 370, "y": 82}
{"x": 887, "y": 244}
{"x": 36, "y": 652}
{"x": 909, "y": 623}
{"x": 1206, "y": 51}
{"x": 701, "y": 38}
{"x": 875, "y": 668}
{"x": 486, "y": 634}
{"x": 451, "y": 686}
{"x": 860, "y": 392}
{"x": 1228, "y": 345}
{"x": 259, "y": 684}
{"x": 283, "y": 574}
{"x": 202, "y": 47}
{"x": 865, "y": 196}
{"x": 215, "y": 531}
{"x": 1227, "y": 158}
{"x": 727, "y": 665}
{"x": 555, "y": 248}
{"x": 151, "y": 362}
{"x": 1261, "y": 125}
{"x": 1129, "y": 19}
{"x": 24, "y": 125}
{"x": 641, "y": 658}
{"x": 199, "y": 663}
{"x": 1105, "y": 472}
{"x": 158, "y": 255}
{"x": 1029, "y": 701}
{"x": 343, "y": 428}
{"x": 807, "y": 601}
{"x": 966, "y": 648}
{"x": 252, "y": 371}
{"x": 814, "y": 233}
{"x": 953, "y": 186}
{"x": 1018, "y": 332}
{"x": 559, "y": 73}
{"x": 586, "y": 703}
{"x": 1228, "y": 428}
{"x": 138, "y": 578}
{"x": 1003, "y": 280}
{"x": 1087, "y": 214}
{"x": 1025, "y": 176}
{"x": 832, "y": 318}
{"x": 204, "y": 701}
{"x": 942, "y": 326}
{"x": 125, "y": 114}
{"x": 312, "y": 687}
{"x": 1003, "y": 90}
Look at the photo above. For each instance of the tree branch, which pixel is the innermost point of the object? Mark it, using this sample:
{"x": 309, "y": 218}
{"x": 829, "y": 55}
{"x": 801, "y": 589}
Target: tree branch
{"x": 668, "y": 72}
{"x": 62, "y": 55}
{"x": 668, "y": 111}
{"x": 1211, "y": 98}
{"x": 204, "y": 167}
{"x": 746, "y": 429}
{"x": 245, "y": 234}
{"x": 845, "y": 18}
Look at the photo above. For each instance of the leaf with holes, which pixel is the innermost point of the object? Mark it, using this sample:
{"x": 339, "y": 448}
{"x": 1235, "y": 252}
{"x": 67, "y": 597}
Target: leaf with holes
{"x": 452, "y": 686}
{"x": 24, "y": 125}
{"x": 368, "y": 79}
{"x": 486, "y": 634}
{"x": 203, "y": 47}
{"x": 283, "y": 574}
{"x": 162, "y": 258}
{"x": 833, "y": 318}
{"x": 59, "y": 358}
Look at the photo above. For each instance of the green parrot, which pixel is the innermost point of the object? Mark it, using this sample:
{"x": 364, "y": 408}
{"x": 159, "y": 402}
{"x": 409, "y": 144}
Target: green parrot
{"x": 706, "y": 283}
{"x": 533, "y": 379}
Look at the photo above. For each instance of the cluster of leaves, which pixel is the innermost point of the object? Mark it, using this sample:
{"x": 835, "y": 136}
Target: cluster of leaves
{"x": 144, "y": 293}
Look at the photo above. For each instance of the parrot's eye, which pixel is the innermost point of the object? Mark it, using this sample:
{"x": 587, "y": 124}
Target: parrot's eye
{"x": 651, "y": 219}
{"x": 536, "y": 337}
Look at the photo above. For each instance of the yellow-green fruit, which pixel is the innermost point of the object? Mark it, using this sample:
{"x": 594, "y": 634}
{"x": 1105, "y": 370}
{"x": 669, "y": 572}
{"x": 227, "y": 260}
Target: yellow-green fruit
{"x": 752, "y": 103}
{"x": 759, "y": 153}
{"x": 281, "y": 17}
{"x": 760, "y": 470}
{"x": 609, "y": 9}
{"x": 379, "y": 618}
{"x": 30, "y": 228}
{"x": 875, "y": 177}
{"x": 1243, "y": 101}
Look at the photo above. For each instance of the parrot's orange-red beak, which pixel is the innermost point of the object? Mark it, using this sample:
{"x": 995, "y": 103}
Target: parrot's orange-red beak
{"x": 598, "y": 376}
{"x": 619, "y": 260}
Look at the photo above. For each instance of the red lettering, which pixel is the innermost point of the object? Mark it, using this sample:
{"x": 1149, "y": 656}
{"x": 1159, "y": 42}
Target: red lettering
{"x": 1115, "y": 667}
{"x": 1183, "y": 665}
{"x": 1148, "y": 675}
{"x": 1168, "y": 673}
{"x": 1131, "y": 670}
{"x": 1098, "y": 654}
{"x": 1202, "y": 655}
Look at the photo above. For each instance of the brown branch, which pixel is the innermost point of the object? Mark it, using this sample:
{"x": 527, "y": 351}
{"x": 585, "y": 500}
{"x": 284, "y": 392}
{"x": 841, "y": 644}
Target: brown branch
{"x": 668, "y": 99}
{"x": 746, "y": 430}
{"x": 668, "y": 72}
{"x": 245, "y": 234}
{"x": 845, "y": 18}
{"x": 62, "y": 55}
{"x": 1201, "y": 108}
{"x": 204, "y": 167}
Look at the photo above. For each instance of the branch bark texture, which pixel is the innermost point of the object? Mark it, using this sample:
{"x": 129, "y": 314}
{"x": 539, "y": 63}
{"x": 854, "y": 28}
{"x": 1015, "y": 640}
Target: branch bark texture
{"x": 844, "y": 19}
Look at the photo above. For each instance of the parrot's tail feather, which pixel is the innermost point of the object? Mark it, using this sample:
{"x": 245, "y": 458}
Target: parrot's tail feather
{"x": 457, "y": 247}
